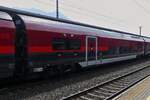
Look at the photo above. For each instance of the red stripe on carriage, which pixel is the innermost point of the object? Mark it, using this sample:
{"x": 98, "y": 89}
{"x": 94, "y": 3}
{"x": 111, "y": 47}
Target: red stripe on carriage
{"x": 7, "y": 49}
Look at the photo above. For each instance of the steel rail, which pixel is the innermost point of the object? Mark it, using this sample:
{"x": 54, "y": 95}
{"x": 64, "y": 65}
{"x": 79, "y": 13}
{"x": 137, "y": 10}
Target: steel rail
{"x": 103, "y": 90}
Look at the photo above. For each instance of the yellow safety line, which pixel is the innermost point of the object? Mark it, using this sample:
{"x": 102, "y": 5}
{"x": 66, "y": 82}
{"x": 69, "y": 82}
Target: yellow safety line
{"x": 148, "y": 98}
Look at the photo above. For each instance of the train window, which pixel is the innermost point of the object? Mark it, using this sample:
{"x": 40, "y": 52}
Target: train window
{"x": 74, "y": 44}
{"x": 59, "y": 44}
{"x": 122, "y": 50}
{"x": 64, "y": 44}
{"x": 125, "y": 50}
{"x": 111, "y": 52}
{"x": 92, "y": 40}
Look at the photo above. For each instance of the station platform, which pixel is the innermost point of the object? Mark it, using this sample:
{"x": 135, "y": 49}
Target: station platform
{"x": 140, "y": 91}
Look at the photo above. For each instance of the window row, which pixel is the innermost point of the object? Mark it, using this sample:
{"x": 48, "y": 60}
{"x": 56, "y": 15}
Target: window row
{"x": 121, "y": 50}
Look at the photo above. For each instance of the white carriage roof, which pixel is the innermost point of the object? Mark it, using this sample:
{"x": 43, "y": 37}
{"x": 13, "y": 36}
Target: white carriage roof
{"x": 49, "y": 25}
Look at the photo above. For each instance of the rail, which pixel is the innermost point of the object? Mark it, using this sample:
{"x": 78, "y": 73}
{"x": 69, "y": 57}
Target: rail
{"x": 110, "y": 89}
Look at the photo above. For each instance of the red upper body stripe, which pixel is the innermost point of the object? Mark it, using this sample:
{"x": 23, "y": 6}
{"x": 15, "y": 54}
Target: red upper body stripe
{"x": 7, "y": 49}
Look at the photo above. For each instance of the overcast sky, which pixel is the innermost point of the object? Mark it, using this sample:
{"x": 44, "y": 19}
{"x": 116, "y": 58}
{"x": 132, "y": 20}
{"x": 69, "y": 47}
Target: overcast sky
{"x": 125, "y": 15}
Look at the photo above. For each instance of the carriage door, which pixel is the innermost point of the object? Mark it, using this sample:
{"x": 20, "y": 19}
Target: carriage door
{"x": 91, "y": 50}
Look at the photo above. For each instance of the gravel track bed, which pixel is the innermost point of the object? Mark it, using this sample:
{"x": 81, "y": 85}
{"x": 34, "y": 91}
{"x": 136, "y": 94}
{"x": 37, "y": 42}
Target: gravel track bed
{"x": 58, "y": 87}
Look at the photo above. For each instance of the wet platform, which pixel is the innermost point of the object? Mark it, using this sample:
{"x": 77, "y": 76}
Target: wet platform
{"x": 140, "y": 91}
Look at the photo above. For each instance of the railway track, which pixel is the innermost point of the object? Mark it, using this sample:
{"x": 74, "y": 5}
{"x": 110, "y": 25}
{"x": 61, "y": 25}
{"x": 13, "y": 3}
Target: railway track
{"x": 108, "y": 90}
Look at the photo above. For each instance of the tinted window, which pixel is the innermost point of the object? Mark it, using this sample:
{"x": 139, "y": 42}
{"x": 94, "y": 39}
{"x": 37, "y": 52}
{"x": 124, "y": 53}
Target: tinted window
{"x": 125, "y": 50}
{"x": 59, "y": 44}
{"x": 111, "y": 51}
{"x": 64, "y": 44}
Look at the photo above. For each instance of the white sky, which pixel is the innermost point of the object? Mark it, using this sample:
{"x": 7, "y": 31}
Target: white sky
{"x": 125, "y": 15}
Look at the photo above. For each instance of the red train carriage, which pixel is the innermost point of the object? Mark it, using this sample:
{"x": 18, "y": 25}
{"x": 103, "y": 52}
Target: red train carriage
{"x": 56, "y": 43}
{"x": 33, "y": 43}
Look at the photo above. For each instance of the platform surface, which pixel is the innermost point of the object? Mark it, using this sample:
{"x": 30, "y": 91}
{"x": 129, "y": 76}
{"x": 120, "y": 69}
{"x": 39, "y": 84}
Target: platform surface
{"x": 140, "y": 91}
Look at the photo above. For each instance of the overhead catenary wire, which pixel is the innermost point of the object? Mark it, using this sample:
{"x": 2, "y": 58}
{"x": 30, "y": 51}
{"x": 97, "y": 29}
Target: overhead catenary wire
{"x": 83, "y": 11}
{"x": 71, "y": 8}
{"x": 141, "y": 6}
{"x": 85, "y": 14}
{"x": 87, "y": 10}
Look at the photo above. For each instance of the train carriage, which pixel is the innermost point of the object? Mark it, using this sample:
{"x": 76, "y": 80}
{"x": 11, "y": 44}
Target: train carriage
{"x": 34, "y": 43}
{"x": 56, "y": 43}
